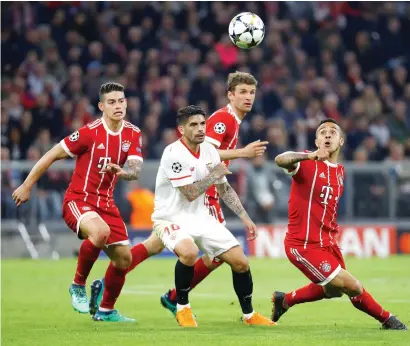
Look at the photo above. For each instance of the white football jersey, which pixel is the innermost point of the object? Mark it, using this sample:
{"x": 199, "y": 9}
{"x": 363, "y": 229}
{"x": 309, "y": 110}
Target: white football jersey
{"x": 180, "y": 166}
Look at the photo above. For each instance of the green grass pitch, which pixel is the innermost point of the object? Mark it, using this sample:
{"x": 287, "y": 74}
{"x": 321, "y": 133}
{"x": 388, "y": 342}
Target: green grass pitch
{"x": 36, "y": 307}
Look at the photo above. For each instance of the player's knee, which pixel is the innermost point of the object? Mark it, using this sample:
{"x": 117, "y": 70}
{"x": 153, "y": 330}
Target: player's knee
{"x": 99, "y": 235}
{"x": 188, "y": 254}
{"x": 123, "y": 261}
{"x": 240, "y": 265}
{"x": 353, "y": 288}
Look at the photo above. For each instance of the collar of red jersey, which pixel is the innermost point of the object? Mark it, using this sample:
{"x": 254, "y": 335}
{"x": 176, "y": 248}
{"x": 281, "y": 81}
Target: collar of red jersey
{"x": 231, "y": 111}
{"x": 112, "y": 133}
{"x": 330, "y": 163}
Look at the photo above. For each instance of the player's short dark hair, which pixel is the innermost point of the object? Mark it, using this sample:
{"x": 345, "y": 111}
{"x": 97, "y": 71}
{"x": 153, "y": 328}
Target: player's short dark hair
{"x": 238, "y": 77}
{"x": 109, "y": 87}
{"x": 185, "y": 113}
{"x": 330, "y": 120}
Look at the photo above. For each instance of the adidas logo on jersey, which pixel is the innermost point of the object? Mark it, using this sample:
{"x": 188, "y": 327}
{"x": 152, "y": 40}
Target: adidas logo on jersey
{"x": 101, "y": 146}
{"x": 322, "y": 175}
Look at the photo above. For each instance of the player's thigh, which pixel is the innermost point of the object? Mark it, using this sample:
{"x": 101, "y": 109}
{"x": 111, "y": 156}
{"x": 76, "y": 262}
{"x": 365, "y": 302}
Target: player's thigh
{"x": 319, "y": 265}
{"x": 120, "y": 255}
{"x": 213, "y": 238}
{"x": 118, "y": 229}
{"x": 153, "y": 244}
{"x": 171, "y": 233}
{"x": 85, "y": 221}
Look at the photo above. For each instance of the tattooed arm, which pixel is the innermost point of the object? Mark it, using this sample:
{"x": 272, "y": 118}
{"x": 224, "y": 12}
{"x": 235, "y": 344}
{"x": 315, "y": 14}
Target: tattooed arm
{"x": 133, "y": 171}
{"x": 231, "y": 199}
{"x": 289, "y": 159}
{"x": 193, "y": 191}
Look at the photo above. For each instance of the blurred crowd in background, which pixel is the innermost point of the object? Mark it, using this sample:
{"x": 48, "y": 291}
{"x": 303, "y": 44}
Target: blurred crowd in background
{"x": 346, "y": 60}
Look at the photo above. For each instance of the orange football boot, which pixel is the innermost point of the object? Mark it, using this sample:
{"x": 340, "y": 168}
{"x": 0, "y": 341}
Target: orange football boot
{"x": 259, "y": 320}
{"x": 185, "y": 318}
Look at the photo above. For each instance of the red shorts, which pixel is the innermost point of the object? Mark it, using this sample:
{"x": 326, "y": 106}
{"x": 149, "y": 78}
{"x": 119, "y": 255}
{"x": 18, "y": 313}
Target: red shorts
{"x": 74, "y": 212}
{"x": 320, "y": 265}
{"x": 215, "y": 209}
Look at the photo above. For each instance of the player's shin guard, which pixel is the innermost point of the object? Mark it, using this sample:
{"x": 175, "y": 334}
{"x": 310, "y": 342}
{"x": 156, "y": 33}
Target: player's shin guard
{"x": 139, "y": 254}
{"x": 243, "y": 285}
{"x": 183, "y": 277}
{"x": 366, "y": 303}
{"x": 86, "y": 258}
{"x": 114, "y": 281}
{"x": 308, "y": 293}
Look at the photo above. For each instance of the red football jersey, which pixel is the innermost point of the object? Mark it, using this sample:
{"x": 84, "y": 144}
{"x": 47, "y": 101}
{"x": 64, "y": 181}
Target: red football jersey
{"x": 314, "y": 198}
{"x": 222, "y": 130}
{"x": 95, "y": 145}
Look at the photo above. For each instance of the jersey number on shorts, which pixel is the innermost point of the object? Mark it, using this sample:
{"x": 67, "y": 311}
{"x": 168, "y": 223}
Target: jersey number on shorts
{"x": 173, "y": 229}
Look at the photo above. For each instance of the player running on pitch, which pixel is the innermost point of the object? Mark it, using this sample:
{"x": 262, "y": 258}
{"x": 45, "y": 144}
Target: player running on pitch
{"x": 310, "y": 243}
{"x": 102, "y": 148}
{"x": 222, "y": 130}
{"x": 182, "y": 220}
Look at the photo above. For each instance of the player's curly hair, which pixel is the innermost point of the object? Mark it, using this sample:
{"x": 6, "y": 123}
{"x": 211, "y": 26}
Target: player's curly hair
{"x": 109, "y": 87}
{"x": 238, "y": 77}
{"x": 185, "y": 113}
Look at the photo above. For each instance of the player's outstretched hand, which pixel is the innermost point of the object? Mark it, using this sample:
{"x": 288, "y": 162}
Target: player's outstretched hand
{"x": 221, "y": 170}
{"x": 250, "y": 228}
{"x": 254, "y": 149}
{"x": 319, "y": 155}
{"x": 21, "y": 194}
{"x": 115, "y": 169}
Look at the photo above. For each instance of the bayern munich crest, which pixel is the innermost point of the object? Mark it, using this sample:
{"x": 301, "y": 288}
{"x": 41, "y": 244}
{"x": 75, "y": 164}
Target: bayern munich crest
{"x": 125, "y": 146}
{"x": 325, "y": 267}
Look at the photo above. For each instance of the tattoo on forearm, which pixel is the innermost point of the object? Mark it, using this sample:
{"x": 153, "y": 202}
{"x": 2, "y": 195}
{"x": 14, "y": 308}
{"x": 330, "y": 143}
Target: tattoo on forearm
{"x": 290, "y": 158}
{"x": 133, "y": 171}
{"x": 193, "y": 191}
{"x": 231, "y": 199}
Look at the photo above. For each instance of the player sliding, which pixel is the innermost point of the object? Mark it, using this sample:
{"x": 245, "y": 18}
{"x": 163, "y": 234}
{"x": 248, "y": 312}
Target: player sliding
{"x": 102, "y": 148}
{"x": 222, "y": 130}
{"x": 310, "y": 243}
{"x": 183, "y": 222}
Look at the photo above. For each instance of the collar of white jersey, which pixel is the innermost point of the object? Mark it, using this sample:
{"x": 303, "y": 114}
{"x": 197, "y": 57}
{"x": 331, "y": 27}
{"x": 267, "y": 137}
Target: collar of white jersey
{"x": 330, "y": 163}
{"x": 231, "y": 111}
{"x": 112, "y": 133}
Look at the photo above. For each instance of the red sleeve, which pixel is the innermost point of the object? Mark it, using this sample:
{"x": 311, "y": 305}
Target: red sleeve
{"x": 218, "y": 127}
{"x": 135, "y": 152}
{"x": 78, "y": 142}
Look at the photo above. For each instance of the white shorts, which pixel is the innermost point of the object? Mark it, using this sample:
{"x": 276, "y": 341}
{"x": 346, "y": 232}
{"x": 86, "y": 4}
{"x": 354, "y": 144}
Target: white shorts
{"x": 211, "y": 237}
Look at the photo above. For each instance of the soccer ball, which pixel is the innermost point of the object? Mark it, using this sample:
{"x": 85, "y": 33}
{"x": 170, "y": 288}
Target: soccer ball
{"x": 246, "y": 30}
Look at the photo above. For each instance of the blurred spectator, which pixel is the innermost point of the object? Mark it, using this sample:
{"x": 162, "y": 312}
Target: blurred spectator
{"x": 260, "y": 200}
{"x": 142, "y": 206}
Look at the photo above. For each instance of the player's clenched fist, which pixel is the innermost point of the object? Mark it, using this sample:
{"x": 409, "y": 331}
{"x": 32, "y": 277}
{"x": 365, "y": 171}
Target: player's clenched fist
{"x": 254, "y": 149}
{"x": 221, "y": 170}
{"x": 319, "y": 155}
{"x": 115, "y": 169}
{"x": 21, "y": 194}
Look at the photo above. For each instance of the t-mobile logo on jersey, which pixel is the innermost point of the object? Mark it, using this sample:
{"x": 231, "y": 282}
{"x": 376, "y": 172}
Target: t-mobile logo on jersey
{"x": 103, "y": 162}
{"x": 326, "y": 194}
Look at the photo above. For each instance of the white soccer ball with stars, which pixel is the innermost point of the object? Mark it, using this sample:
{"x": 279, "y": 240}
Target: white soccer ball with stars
{"x": 246, "y": 30}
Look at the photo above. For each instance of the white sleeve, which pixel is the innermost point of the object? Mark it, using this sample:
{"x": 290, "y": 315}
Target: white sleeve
{"x": 176, "y": 169}
{"x": 216, "y": 159}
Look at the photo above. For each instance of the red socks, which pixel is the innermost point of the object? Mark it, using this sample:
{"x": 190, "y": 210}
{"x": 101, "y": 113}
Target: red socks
{"x": 201, "y": 271}
{"x": 139, "y": 254}
{"x": 86, "y": 258}
{"x": 309, "y": 293}
{"x": 365, "y": 302}
{"x": 114, "y": 281}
